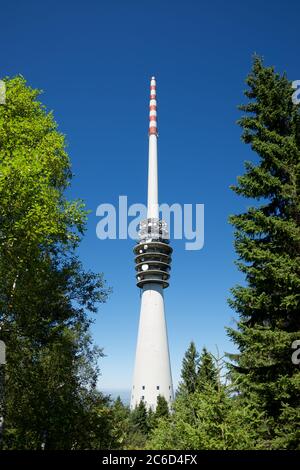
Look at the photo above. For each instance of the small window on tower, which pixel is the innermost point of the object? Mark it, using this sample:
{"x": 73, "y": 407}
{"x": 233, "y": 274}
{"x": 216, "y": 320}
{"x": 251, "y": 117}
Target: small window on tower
{"x": 170, "y": 397}
{"x": 169, "y": 387}
{"x": 157, "y": 387}
{"x": 143, "y": 387}
{"x": 143, "y": 397}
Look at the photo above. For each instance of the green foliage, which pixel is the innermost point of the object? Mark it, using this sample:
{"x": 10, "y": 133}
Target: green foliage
{"x": 45, "y": 294}
{"x": 35, "y": 170}
{"x": 209, "y": 418}
{"x": 137, "y": 425}
{"x": 128, "y": 428}
{"x": 197, "y": 370}
{"x": 139, "y": 418}
{"x": 267, "y": 241}
{"x": 121, "y": 424}
{"x": 131, "y": 428}
{"x": 162, "y": 408}
{"x": 189, "y": 370}
{"x": 151, "y": 419}
{"x": 207, "y": 372}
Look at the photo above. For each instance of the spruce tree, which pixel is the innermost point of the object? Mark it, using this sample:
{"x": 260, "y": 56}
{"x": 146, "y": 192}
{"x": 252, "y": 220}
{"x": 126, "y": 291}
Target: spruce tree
{"x": 267, "y": 242}
{"x": 139, "y": 418}
{"x": 151, "y": 420}
{"x": 162, "y": 408}
{"x": 189, "y": 370}
{"x": 210, "y": 418}
{"x": 120, "y": 423}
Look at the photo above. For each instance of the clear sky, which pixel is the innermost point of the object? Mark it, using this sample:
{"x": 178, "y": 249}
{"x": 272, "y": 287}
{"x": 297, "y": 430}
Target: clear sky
{"x": 93, "y": 59}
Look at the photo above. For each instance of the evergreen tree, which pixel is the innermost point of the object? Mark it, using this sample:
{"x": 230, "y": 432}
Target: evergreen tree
{"x": 119, "y": 407}
{"x": 207, "y": 419}
{"x": 189, "y": 370}
{"x": 120, "y": 424}
{"x": 139, "y": 418}
{"x": 267, "y": 241}
{"x": 151, "y": 419}
{"x": 207, "y": 372}
{"x": 162, "y": 408}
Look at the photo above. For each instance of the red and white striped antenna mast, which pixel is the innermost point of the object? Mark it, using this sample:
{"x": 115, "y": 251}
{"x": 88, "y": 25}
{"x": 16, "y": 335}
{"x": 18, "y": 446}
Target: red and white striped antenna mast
{"x": 152, "y": 206}
{"x": 153, "y": 108}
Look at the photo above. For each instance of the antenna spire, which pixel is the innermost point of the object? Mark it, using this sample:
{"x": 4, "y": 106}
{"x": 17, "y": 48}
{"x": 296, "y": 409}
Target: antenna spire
{"x": 152, "y": 212}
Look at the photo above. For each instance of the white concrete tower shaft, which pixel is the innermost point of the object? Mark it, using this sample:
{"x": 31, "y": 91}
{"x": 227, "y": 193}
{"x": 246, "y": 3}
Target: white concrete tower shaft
{"x": 152, "y": 372}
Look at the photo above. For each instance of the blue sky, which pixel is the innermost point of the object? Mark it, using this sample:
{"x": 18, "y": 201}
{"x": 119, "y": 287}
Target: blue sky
{"x": 93, "y": 60}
